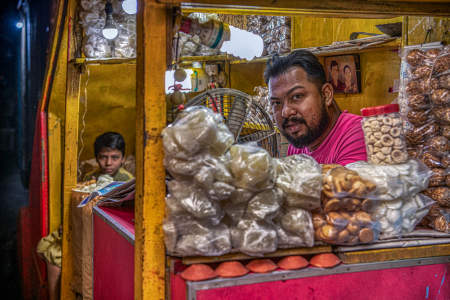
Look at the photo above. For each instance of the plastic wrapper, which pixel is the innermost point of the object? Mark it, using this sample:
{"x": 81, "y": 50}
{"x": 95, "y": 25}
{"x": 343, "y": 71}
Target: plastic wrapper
{"x": 195, "y": 201}
{"x": 220, "y": 191}
{"x": 439, "y": 194}
{"x": 295, "y": 228}
{"x": 185, "y": 236}
{"x": 340, "y": 182}
{"x": 254, "y": 237}
{"x": 438, "y": 177}
{"x": 92, "y": 19}
{"x": 96, "y": 46}
{"x": 125, "y": 42}
{"x": 440, "y": 220}
{"x": 241, "y": 196}
{"x": 265, "y": 205}
{"x": 234, "y": 213}
{"x": 417, "y": 135}
{"x": 274, "y": 30}
{"x": 384, "y": 139}
{"x": 197, "y": 129}
{"x": 442, "y": 115}
{"x": 300, "y": 178}
{"x": 394, "y": 181}
{"x": 174, "y": 207}
{"x": 441, "y": 82}
{"x": 252, "y": 167}
{"x": 343, "y": 228}
{"x": 400, "y": 216}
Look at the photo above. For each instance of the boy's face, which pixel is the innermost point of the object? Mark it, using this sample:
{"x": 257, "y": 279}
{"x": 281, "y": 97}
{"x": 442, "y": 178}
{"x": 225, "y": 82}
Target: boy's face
{"x": 110, "y": 160}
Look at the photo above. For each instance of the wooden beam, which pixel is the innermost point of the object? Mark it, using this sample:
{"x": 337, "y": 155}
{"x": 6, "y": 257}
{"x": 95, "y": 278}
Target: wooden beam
{"x": 349, "y": 7}
{"x": 150, "y": 174}
{"x": 368, "y": 256}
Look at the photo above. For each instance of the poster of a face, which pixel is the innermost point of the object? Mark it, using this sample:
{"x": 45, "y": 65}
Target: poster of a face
{"x": 343, "y": 73}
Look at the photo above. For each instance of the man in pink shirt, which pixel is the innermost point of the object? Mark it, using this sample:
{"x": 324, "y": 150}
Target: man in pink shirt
{"x": 307, "y": 114}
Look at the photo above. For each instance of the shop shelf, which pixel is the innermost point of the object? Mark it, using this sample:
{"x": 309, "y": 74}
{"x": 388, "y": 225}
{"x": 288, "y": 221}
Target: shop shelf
{"x": 376, "y": 43}
{"x": 103, "y": 61}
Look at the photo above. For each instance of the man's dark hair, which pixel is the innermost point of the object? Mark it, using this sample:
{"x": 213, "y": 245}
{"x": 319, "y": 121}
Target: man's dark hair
{"x": 111, "y": 140}
{"x": 278, "y": 65}
{"x": 348, "y": 67}
{"x": 333, "y": 63}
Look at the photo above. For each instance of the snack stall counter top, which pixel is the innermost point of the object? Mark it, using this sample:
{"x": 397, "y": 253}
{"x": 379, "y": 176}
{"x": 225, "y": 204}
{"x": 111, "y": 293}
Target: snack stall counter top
{"x": 418, "y": 260}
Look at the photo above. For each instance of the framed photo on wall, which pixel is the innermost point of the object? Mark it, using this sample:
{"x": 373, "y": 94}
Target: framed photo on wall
{"x": 344, "y": 73}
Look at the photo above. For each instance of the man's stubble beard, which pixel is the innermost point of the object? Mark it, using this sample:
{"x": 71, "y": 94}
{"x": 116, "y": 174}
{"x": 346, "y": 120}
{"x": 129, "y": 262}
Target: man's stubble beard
{"x": 311, "y": 134}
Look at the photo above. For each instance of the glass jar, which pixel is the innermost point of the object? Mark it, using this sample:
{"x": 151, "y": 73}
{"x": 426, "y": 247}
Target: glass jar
{"x": 383, "y": 134}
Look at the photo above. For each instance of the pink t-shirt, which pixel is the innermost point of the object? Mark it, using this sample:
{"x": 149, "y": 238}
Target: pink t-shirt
{"x": 343, "y": 145}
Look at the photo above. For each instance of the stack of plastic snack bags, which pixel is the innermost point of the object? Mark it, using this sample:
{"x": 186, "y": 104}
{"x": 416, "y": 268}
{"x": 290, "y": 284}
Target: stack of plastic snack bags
{"x": 274, "y": 30}
{"x": 225, "y": 196}
{"x": 92, "y": 19}
{"x": 425, "y": 99}
{"x": 194, "y": 147}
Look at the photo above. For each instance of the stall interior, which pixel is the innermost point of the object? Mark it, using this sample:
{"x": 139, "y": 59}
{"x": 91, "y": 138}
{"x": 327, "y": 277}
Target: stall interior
{"x": 107, "y": 103}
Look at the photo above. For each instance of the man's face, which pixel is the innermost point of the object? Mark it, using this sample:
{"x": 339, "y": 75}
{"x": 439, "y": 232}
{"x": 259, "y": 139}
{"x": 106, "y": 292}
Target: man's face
{"x": 334, "y": 73}
{"x": 298, "y": 107}
{"x": 347, "y": 74}
{"x": 110, "y": 160}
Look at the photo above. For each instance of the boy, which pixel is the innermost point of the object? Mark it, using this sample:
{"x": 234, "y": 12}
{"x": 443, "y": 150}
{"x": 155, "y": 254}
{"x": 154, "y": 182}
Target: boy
{"x": 109, "y": 151}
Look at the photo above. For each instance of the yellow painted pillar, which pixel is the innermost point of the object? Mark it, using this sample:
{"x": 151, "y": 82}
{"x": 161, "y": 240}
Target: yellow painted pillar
{"x": 54, "y": 171}
{"x": 151, "y": 119}
{"x": 70, "y": 176}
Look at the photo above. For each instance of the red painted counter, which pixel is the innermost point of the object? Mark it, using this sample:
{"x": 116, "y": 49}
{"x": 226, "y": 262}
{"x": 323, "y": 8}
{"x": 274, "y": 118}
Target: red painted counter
{"x": 113, "y": 253}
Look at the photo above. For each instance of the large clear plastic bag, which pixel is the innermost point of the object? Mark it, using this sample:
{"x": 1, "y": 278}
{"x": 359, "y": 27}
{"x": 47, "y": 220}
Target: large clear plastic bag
{"x": 254, "y": 237}
{"x": 195, "y": 201}
{"x": 125, "y": 42}
{"x": 203, "y": 168}
{"x": 341, "y": 184}
{"x": 439, "y": 194}
{"x": 96, "y": 46}
{"x": 197, "y": 129}
{"x": 425, "y": 97}
{"x": 265, "y": 205}
{"x": 394, "y": 181}
{"x": 185, "y": 236}
{"x": 439, "y": 219}
{"x": 300, "y": 178}
{"x": 345, "y": 228}
{"x": 294, "y": 228}
{"x": 92, "y": 19}
{"x": 252, "y": 167}
{"x": 400, "y": 216}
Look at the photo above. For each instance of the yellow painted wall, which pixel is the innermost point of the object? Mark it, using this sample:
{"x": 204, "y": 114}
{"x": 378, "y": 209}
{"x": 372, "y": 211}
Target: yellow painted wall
{"x": 110, "y": 91}
{"x": 317, "y": 31}
{"x": 245, "y": 77}
{"x": 418, "y": 26}
{"x": 379, "y": 69}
